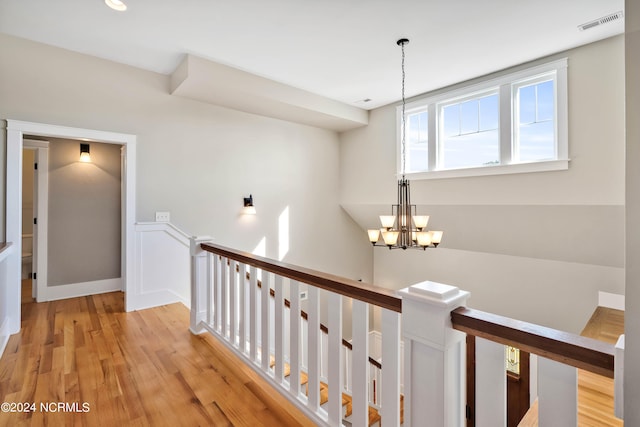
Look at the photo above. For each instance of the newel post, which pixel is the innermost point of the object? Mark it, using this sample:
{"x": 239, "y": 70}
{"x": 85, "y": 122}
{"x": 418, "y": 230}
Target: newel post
{"x": 434, "y": 356}
{"x": 199, "y": 279}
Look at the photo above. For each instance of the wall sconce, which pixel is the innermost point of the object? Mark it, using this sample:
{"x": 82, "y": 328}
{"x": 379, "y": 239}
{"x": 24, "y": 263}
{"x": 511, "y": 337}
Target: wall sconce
{"x": 249, "y": 209}
{"x": 85, "y": 155}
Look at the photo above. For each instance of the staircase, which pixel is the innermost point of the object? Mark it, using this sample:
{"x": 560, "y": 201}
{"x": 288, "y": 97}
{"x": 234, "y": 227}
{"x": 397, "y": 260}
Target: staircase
{"x": 374, "y": 415}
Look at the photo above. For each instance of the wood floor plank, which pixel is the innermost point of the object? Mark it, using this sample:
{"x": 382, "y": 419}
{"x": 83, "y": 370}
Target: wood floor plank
{"x": 133, "y": 369}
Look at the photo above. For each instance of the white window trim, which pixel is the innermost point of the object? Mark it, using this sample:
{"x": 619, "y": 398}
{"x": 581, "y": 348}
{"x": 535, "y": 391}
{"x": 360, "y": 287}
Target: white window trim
{"x": 504, "y": 83}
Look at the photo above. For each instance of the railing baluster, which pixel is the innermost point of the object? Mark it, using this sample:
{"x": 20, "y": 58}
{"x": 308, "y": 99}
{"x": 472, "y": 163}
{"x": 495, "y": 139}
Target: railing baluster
{"x": 253, "y": 335}
{"x": 360, "y": 363}
{"x": 217, "y": 293}
{"x": 389, "y": 386}
{"x": 264, "y": 314}
{"x": 224, "y": 291}
{"x": 314, "y": 349}
{"x": 334, "y": 358}
{"x": 210, "y": 288}
{"x": 233, "y": 300}
{"x": 491, "y": 384}
{"x": 294, "y": 337}
{"x": 557, "y": 393}
{"x": 279, "y": 330}
{"x": 242, "y": 285}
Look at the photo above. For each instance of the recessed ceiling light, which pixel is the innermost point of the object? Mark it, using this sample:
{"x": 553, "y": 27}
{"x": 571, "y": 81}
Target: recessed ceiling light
{"x": 116, "y": 5}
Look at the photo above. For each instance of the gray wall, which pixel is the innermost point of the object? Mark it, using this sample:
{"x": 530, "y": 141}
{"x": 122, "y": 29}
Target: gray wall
{"x": 84, "y": 213}
{"x": 534, "y": 246}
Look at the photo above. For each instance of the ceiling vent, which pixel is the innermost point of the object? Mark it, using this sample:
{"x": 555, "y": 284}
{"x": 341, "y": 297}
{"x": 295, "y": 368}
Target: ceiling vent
{"x": 601, "y": 21}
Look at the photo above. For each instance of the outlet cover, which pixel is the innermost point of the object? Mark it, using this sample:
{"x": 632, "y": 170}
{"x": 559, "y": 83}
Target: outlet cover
{"x": 163, "y": 217}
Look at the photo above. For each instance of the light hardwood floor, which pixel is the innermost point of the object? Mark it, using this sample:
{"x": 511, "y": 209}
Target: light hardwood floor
{"x": 142, "y": 368}
{"x": 595, "y": 392}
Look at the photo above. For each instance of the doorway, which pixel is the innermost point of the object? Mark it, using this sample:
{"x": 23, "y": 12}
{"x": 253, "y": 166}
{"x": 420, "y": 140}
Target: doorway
{"x": 15, "y": 134}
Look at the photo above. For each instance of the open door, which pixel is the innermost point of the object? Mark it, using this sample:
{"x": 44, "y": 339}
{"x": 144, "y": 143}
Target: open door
{"x": 40, "y": 216}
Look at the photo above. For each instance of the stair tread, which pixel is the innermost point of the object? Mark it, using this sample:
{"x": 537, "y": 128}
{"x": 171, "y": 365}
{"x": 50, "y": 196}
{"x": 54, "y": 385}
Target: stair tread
{"x": 287, "y": 370}
{"x": 347, "y": 401}
{"x": 374, "y": 416}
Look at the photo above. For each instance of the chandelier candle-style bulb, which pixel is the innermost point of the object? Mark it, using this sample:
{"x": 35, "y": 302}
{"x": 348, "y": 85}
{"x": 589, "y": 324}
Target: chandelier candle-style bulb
{"x": 387, "y": 221}
{"x": 390, "y": 237}
{"x": 423, "y": 238}
{"x": 374, "y": 236}
{"x": 436, "y": 237}
{"x": 421, "y": 221}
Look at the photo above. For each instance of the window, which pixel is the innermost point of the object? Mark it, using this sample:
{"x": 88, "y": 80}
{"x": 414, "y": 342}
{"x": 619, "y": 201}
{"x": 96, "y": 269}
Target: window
{"x": 510, "y": 124}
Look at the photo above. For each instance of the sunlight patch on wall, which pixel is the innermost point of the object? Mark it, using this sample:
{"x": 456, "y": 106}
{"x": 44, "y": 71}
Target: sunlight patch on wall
{"x": 283, "y": 234}
{"x": 261, "y": 248}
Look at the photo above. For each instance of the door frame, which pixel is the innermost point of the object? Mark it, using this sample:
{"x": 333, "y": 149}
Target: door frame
{"x": 16, "y": 129}
{"x": 40, "y": 211}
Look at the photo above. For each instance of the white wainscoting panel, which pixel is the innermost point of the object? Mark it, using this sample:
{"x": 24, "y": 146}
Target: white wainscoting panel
{"x": 5, "y": 319}
{"x": 163, "y": 270}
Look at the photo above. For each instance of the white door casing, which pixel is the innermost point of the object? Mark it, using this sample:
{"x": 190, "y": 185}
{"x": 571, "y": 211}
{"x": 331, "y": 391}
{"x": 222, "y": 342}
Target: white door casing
{"x": 15, "y": 133}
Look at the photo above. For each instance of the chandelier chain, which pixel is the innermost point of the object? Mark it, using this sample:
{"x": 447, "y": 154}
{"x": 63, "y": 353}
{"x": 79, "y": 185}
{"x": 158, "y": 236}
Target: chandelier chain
{"x": 403, "y": 145}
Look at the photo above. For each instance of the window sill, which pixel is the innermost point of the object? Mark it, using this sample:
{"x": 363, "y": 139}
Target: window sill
{"x": 545, "y": 166}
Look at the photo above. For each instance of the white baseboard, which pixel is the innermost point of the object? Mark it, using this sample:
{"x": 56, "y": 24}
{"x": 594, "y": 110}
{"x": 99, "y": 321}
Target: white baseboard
{"x": 609, "y": 300}
{"x": 83, "y": 289}
{"x": 4, "y": 335}
{"x": 158, "y": 298}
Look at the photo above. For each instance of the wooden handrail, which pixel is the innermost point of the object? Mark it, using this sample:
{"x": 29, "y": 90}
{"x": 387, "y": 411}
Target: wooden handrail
{"x": 564, "y": 347}
{"x": 371, "y": 294}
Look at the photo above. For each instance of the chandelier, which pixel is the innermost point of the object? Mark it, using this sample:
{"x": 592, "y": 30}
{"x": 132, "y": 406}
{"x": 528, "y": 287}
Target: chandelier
{"x": 403, "y": 228}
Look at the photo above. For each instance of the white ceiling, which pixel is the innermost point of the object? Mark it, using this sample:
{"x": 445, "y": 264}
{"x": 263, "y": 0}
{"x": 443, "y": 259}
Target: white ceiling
{"x": 341, "y": 49}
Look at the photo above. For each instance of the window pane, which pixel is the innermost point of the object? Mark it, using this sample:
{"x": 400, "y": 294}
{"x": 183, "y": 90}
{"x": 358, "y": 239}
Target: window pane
{"x": 536, "y": 130}
{"x": 469, "y": 113}
{"x": 545, "y": 101}
{"x": 471, "y": 150}
{"x": 537, "y": 142}
{"x": 451, "y": 120}
{"x": 475, "y": 140}
{"x": 489, "y": 112}
{"x": 527, "y": 98}
{"x": 417, "y": 138}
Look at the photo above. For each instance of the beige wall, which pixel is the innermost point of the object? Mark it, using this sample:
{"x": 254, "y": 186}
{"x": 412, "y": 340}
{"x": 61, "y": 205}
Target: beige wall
{"x": 196, "y": 160}
{"x": 536, "y": 246}
{"x": 84, "y": 213}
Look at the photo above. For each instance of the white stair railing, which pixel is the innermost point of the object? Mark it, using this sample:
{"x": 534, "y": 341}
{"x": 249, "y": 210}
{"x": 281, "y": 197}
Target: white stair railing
{"x": 220, "y": 307}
